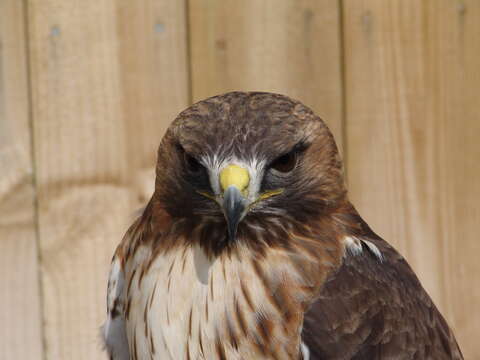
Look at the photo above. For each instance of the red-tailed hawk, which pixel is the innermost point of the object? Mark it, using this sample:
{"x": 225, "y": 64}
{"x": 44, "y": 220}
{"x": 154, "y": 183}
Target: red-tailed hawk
{"x": 250, "y": 249}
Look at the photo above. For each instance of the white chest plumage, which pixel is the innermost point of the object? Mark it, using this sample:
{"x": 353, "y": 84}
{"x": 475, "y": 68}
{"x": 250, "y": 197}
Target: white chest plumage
{"x": 179, "y": 304}
{"x": 189, "y": 307}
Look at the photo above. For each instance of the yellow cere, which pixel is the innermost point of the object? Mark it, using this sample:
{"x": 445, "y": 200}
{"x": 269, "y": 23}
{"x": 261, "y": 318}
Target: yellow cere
{"x": 236, "y": 176}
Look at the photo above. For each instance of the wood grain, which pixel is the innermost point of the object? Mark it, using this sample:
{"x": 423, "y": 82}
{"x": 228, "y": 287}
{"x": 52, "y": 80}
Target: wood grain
{"x": 288, "y": 46}
{"x": 20, "y": 311}
{"x": 412, "y": 128}
{"x": 154, "y": 74}
{"x": 108, "y": 76}
{"x": 97, "y": 123}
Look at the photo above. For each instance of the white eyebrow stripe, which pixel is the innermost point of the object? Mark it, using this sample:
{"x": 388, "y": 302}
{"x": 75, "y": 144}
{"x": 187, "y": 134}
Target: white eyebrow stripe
{"x": 254, "y": 166}
{"x": 213, "y": 164}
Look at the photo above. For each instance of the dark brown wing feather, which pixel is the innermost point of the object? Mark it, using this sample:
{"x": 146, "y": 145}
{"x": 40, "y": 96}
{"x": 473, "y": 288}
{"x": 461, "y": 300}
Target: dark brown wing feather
{"x": 376, "y": 310}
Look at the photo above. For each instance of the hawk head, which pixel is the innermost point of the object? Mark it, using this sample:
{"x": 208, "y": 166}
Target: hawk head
{"x": 236, "y": 161}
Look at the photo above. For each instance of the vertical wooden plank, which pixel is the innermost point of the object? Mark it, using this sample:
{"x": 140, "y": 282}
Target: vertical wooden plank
{"x": 20, "y": 311}
{"x": 80, "y": 146}
{"x": 288, "y": 46}
{"x": 412, "y": 128}
{"x": 154, "y": 74}
{"x": 455, "y": 56}
{"x": 97, "y": 123}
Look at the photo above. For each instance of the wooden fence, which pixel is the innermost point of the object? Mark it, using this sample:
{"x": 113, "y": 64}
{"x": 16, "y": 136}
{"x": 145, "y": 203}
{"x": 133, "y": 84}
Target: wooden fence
{"x": 88, "y": 87}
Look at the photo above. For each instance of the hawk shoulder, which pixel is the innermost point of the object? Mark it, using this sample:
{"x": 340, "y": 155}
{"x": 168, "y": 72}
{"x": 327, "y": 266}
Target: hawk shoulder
{"x": 374, "y": 307}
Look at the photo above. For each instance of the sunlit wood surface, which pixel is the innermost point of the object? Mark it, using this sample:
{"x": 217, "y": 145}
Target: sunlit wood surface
{"x": 88, "y": 88}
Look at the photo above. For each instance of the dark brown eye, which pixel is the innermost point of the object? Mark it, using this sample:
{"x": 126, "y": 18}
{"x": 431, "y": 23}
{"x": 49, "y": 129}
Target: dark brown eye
{"x": 285, "y": 163}
{"x": 192, "y": 164}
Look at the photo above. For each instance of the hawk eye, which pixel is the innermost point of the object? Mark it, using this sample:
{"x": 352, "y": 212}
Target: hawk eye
{"x": 192, "y": 164}
{"x": 285, "y": 163}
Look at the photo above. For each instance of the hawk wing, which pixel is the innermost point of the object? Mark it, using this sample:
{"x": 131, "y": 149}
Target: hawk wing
{"x": 375, "y": 308}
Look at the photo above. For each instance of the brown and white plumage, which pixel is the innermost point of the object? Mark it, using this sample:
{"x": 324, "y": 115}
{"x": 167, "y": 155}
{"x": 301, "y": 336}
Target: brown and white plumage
{"x": 250, "y": 249}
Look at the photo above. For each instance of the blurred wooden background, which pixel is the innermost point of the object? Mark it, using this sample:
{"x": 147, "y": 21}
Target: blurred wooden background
{"x": 88, "y": 87}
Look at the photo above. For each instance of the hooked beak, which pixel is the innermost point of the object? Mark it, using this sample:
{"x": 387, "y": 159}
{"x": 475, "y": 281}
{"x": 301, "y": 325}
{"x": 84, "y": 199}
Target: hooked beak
{"x": 234, "y": 205}
{"x": 235, "y": 200}
{"x": 234, "y": 181}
